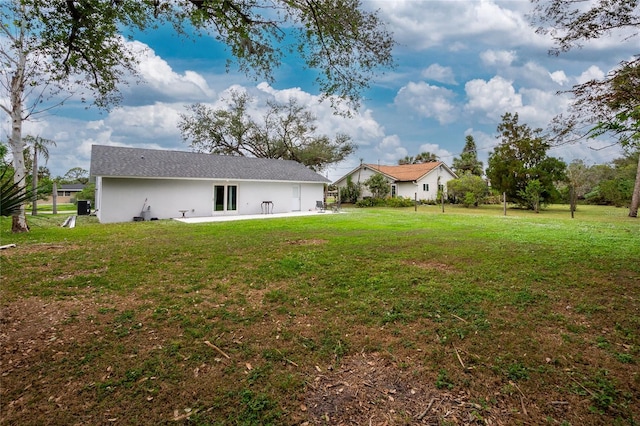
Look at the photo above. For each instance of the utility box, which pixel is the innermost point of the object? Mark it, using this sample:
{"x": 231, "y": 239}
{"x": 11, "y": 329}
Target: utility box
{"x": 84, "y": 208}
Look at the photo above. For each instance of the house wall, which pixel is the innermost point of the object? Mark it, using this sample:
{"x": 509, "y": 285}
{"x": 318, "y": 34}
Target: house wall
{"x": 252, "y": 194}
{"x": 121, "y": 199}
{"x": 62, "y": 199}
{"x": 406, "y": 189}
{"x": 409, "y": 189}
{"x": 359, "y": 176}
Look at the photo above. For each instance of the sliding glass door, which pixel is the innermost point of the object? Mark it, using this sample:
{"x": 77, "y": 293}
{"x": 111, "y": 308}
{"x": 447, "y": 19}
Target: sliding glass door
{"x": 225, "y": 198}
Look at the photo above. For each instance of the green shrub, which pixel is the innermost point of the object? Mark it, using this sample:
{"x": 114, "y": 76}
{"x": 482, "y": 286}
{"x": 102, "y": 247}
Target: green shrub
{"x": 385, "y": 202}
{"x": 399, "y": 202}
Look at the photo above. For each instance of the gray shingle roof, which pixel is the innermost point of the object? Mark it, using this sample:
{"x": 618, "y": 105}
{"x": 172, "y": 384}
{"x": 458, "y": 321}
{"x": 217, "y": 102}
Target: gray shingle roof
{"x": 71, "y": 187}
{"x": 111, "y": 161}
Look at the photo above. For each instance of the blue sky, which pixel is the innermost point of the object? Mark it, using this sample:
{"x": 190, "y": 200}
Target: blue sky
{"x": 460, "y": 66}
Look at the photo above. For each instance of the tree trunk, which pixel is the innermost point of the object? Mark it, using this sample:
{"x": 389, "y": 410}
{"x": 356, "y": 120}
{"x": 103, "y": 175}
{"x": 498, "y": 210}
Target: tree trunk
{"x": 635, "y": 199}
{"x": 54, "y": 197}
{"x": 19, "y": 221}
{"x": 34, "y": 181}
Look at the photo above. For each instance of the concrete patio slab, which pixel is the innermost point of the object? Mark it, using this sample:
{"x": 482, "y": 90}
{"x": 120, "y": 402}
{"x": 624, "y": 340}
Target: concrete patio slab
{"x": 229, "y": 218}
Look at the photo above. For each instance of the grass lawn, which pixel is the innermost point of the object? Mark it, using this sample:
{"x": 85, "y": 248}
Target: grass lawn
{"x": 68, "y": 208}
{"x": 375, "y": 316}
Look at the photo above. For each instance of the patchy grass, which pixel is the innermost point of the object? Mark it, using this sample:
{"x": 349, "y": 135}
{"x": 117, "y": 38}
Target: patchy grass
{"x": 390, "y": 315}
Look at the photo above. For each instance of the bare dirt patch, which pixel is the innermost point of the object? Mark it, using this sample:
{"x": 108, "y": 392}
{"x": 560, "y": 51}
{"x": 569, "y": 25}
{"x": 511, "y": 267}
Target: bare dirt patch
{"x": 369, "y": 389}
{"x": 21, "y": 250}
{"x": 31, "y": 326}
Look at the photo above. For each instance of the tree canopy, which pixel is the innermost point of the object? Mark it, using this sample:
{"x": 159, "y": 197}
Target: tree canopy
{"x": 572, "y": 22}
{"x": 76, "y": 175}
{"x": 287, "y": 131}
{"x": 468, "y": 161}
{"x": 519, "y": 159}
{"x": 344, "y": 42}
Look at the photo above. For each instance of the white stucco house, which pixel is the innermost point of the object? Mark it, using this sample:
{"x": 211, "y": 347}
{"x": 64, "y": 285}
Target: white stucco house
{"x": 137, "y": 184}
{"x": 406, "y": 180}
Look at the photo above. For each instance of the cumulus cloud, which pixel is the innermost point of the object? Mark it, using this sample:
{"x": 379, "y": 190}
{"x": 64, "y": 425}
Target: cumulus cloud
{"x": 593, "y": 73}
{"x": 559, "y": 77}
{"x": 391, "y": 149}
{"x": 535, "y": 74}
{"x": 146, "y": 122}
{"x": 492, "y": 98}
{"x": 428, "y": 101}
{"x": 498, "y": 58}
{"x": 437, "y": 72}
{"x": 158, "y": 76}
{"x": 454, "y": 23}
{"x": 360, "y": 126}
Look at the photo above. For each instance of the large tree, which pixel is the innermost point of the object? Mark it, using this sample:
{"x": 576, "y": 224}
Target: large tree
{"x": 613, "y": 184}
{"x": 287, "y": 131}
{"x": 609, "y": 105}
{"x": 520, "y": 159}
{"x": 468, "y": 161}
{"x": 76, "y": 175}
{"x": 80, "y": 47}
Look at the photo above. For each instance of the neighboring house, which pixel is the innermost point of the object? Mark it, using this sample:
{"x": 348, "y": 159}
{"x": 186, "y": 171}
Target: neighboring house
{"x": 407, "y": 180}
{"x": 66, "y": 193}
{"x": 146, "y": 183}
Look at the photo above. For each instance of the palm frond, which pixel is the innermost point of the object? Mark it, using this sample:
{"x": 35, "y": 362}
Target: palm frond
{"x": 13, "y": 194}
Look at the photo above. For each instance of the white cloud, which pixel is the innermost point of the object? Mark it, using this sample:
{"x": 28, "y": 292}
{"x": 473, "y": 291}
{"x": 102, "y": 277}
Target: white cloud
{"x": 540, "y": 106}
{"x": 559, "y": 77}
{"x": 146, "y": 122}
{"x": 452, "y": 24}
{"x": 360, "y": 126}
{"x": 533, "y": 74}
{"x": 428, "y": 101}
{"x": 158, "y": 75}
{"x": 391, "y": 149}
{"x": 439, "y": 73}
{"x": 498, "y": 58}
{"x": 535, "y": 107}
{"x": 492, "y": 98}
{"x": 593, "y": 73}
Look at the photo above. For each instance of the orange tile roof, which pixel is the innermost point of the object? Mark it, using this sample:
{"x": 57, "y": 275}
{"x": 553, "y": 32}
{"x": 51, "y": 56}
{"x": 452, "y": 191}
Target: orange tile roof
{"x": 406, "y": 172}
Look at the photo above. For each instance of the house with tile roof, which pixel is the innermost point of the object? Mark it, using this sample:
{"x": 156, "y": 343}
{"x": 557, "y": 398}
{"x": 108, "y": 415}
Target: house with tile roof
{"x": 407, "y": 180}
{"x": 142, "y": 184}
